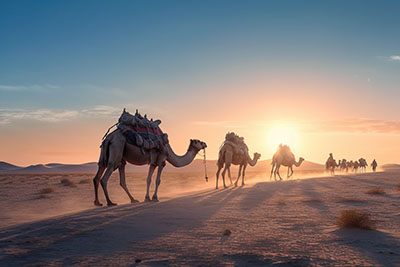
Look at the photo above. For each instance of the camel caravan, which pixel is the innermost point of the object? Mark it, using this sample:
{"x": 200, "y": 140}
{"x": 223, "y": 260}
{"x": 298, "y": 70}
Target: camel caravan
{"x": 140, "y": 141}
{"x": 348, "y": 166}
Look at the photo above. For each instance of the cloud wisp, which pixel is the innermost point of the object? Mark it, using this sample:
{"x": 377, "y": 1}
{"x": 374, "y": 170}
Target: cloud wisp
{"x": 340, "y": 126}
{"x": 30, "y": 88}
{"x": 56, "y": 115}
{"x": 394, "y": 58}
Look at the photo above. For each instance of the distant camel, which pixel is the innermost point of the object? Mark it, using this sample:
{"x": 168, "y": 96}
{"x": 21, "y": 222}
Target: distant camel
{"x": 363, "y": 164}
{"x": 356, "y": 165}
{"x": 343, "y": 165}
{"x": 284, "y": 157}
{"x": 331, "y": 164}
{"x": 228, "y": 155}
{"x": 115, "y": 152}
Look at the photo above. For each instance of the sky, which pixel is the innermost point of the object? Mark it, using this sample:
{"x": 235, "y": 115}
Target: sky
{"x": 320, "y": 76}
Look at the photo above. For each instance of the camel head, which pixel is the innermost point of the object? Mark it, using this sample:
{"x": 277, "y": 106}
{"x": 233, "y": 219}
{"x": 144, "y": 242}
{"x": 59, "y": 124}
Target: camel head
{"x": 197, "y": 144}
{"x": 257, "y": 156}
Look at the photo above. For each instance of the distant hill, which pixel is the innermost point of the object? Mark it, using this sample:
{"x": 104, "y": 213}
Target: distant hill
{"x": 387, "y": 167}
{"x": 196, "y": 166}
{"x": 4, "y": 166}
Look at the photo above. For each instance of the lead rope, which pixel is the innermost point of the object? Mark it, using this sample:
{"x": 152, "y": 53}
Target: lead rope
{"x": 205, "y": 165}
{"x": 108, "y": 131}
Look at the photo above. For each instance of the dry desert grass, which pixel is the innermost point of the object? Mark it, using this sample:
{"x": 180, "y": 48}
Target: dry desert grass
{"x": 355, "y": 219}
{"x": 351, "y": 200}
{"x": 375, "y": 191}
{"x": 67, "y": 182}
{"x": 85, "y": 181}
{"x": 47, "y": 190}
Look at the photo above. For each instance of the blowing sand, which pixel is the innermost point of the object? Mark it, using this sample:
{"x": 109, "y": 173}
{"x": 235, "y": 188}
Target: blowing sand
{"x": 289, "y": 223}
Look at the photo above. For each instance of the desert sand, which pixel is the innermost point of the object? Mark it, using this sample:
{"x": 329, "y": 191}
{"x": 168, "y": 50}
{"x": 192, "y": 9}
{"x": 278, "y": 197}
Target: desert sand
{"x": 288, "y": 223}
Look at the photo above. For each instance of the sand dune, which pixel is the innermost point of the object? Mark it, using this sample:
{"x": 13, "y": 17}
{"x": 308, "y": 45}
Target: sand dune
{"x": 196, "y": 166}
{"x": 290, "y": 223}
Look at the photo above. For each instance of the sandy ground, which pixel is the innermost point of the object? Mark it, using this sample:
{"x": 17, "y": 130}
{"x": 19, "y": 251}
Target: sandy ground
{"x": 290, "y": 223}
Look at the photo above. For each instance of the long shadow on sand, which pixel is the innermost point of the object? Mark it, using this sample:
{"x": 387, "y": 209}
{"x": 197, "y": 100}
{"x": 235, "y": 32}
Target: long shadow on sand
{"x": 380, "y": 247}
{"x": 107, "y": 230}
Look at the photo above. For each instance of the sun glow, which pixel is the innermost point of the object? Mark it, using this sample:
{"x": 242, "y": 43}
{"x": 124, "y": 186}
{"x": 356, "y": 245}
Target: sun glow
{"x": 282, "y": 134}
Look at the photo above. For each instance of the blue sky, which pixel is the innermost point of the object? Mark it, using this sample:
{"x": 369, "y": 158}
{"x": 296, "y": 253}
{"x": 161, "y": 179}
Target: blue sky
{"x": 77, "y": 48}
{"x": 206, "y": 62}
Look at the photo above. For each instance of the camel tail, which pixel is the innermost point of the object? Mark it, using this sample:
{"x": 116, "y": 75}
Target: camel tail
{"x": 220, "y": 161}
{"x": 103, "y": 160}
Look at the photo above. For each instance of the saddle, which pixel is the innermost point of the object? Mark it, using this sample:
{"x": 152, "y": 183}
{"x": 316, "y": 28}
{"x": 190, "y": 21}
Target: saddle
{"x": 142, "y": 132}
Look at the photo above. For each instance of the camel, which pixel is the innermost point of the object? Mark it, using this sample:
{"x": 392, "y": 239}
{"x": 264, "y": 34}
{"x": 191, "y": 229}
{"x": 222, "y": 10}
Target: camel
{"x": 227, "y": 156}
{"x": 363, "y": 164}
{"x": 286, "y": 158}
{"x": 115, "y": 152}
{"x": 356, "y": 164}
{"x": 343, "y": 165}
{"x": 331, "y": 164}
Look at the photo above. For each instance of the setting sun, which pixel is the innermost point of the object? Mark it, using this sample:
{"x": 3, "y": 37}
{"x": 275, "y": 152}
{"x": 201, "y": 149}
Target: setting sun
{"x": 282, "y": 134}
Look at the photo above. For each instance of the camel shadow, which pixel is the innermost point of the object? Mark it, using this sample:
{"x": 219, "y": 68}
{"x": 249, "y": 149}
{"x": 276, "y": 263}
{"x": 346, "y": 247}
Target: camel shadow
{"x": 381, "y": 247}
{"x": 107, "y": 230}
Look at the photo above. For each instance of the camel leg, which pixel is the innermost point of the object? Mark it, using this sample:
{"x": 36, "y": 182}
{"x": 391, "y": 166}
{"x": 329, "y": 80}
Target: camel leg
{"x": 158, "y": 181}
{"x": 288, "y": 169}
{"x": 240, "y": 170}
{"x": 96, "y": 182}
{"x": 149, "y": 175}
{"x": 223, "y": 173}
{"x": 243, "y": 173}
{"x": 228, "y": 160}
{"x": 277, "y": 171}
{"x": 122, "y": 181}
{"x": 229, "y": 174}
{"x": 291, "y": 172}
{"x": 217, "y": 175}
{"x": 272, "y": 171}
{"x": 104, "y": 181}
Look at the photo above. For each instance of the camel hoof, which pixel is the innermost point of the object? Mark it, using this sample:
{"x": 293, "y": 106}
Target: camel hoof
{"x": 225, "y": 186}
{"x": 134, "y": 200}
{"x": 155, "y": 199}
{"x": 243, "y": 184}
{"x": 216, "y": 187}
{"x": 147, "y": 199}
{"x": 110, "y": 204}
{"x": 97, "y": 203}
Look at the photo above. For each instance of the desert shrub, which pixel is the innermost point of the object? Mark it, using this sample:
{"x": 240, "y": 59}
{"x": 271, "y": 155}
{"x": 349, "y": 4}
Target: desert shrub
{"x": 46, "y": 190}
{"x": 375, "y": 191}
{"x": 312, "y": 200}
{"x": 68, "y": 182}
{"x": 281, "y": 202}
{"x": 351, "y": 200}
{"x": 85, "y": 181}
{"x": 355, "y": 219}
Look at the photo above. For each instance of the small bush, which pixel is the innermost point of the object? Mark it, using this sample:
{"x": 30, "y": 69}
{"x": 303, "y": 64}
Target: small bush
{"x": 85, "y": 181}
{"x": 355, "y": 219}
{"x": 281, "y": 202}
{"x": 312, "y": 200}
{"x": 68, "y": 182}
{"x": 46, "y": 191}
{"x": 375, "y": 191}
{"x": 351, "y": 200}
